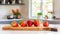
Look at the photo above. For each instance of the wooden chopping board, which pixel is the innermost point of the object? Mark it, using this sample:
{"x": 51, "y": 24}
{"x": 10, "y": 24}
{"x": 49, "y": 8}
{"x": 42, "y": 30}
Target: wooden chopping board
{"x": 29, "y": 28}
{"x": 25, "y": 28}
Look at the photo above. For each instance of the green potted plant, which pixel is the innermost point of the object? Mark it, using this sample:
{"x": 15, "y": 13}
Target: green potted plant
{"x": 16, "y": 14}
{"x": 46, "y": 16}
{"x": 40, "y": 15}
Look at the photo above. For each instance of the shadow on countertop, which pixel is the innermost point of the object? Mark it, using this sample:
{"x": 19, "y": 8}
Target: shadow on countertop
{"x": 6, "y": 22}
{"x": 54, "y": 22}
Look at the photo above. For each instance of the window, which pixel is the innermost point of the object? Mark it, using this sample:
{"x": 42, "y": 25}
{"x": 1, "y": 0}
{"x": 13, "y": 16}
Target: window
{"x": 44, "y": 6}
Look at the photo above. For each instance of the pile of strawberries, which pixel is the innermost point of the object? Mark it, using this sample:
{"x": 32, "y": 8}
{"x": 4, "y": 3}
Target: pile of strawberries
{"x": 29, "y": 23}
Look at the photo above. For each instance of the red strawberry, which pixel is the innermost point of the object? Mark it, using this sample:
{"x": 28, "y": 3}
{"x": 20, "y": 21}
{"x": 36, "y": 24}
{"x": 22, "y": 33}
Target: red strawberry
{"x": 46, "y": 24}
{"x": 29, "y": 22}
{"x": 14, "y": 24}
{"x": 36, "y": 23}
{"x": 23, "y": 24}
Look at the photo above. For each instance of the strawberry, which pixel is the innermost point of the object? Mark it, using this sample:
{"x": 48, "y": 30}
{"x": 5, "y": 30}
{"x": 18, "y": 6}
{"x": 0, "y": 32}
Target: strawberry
{"x": 23, "y": 24}
{"x": 14, "y": 24}
{"x": 29, "y": 22}
{"x": 20, "y": 22}
{"x": 46, "y": 24}
{"x": 36, "y": 23}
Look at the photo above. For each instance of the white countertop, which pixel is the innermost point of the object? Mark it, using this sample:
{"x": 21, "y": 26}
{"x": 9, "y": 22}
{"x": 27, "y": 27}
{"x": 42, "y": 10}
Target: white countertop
{"x": 26, "y": 19}
{"x": 29, "y": 32}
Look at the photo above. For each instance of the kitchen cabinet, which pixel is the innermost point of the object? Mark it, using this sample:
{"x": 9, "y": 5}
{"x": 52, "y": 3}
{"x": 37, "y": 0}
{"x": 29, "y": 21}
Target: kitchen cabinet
{"x": 11, "y": 2}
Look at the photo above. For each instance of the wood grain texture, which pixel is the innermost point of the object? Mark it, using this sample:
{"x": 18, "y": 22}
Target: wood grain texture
{"x": 27, "y": 28}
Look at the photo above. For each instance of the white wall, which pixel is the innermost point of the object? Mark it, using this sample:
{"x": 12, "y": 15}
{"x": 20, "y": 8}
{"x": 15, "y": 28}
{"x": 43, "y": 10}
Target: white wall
{"x": 57, "y": 8}
{"x": 25, "y": 9}
{"x": 6, "y": 9}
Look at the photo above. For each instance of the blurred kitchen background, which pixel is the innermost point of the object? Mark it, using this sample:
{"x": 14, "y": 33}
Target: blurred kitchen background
{"x": 28, "y": 10}
{"x": 7, "y": 9}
